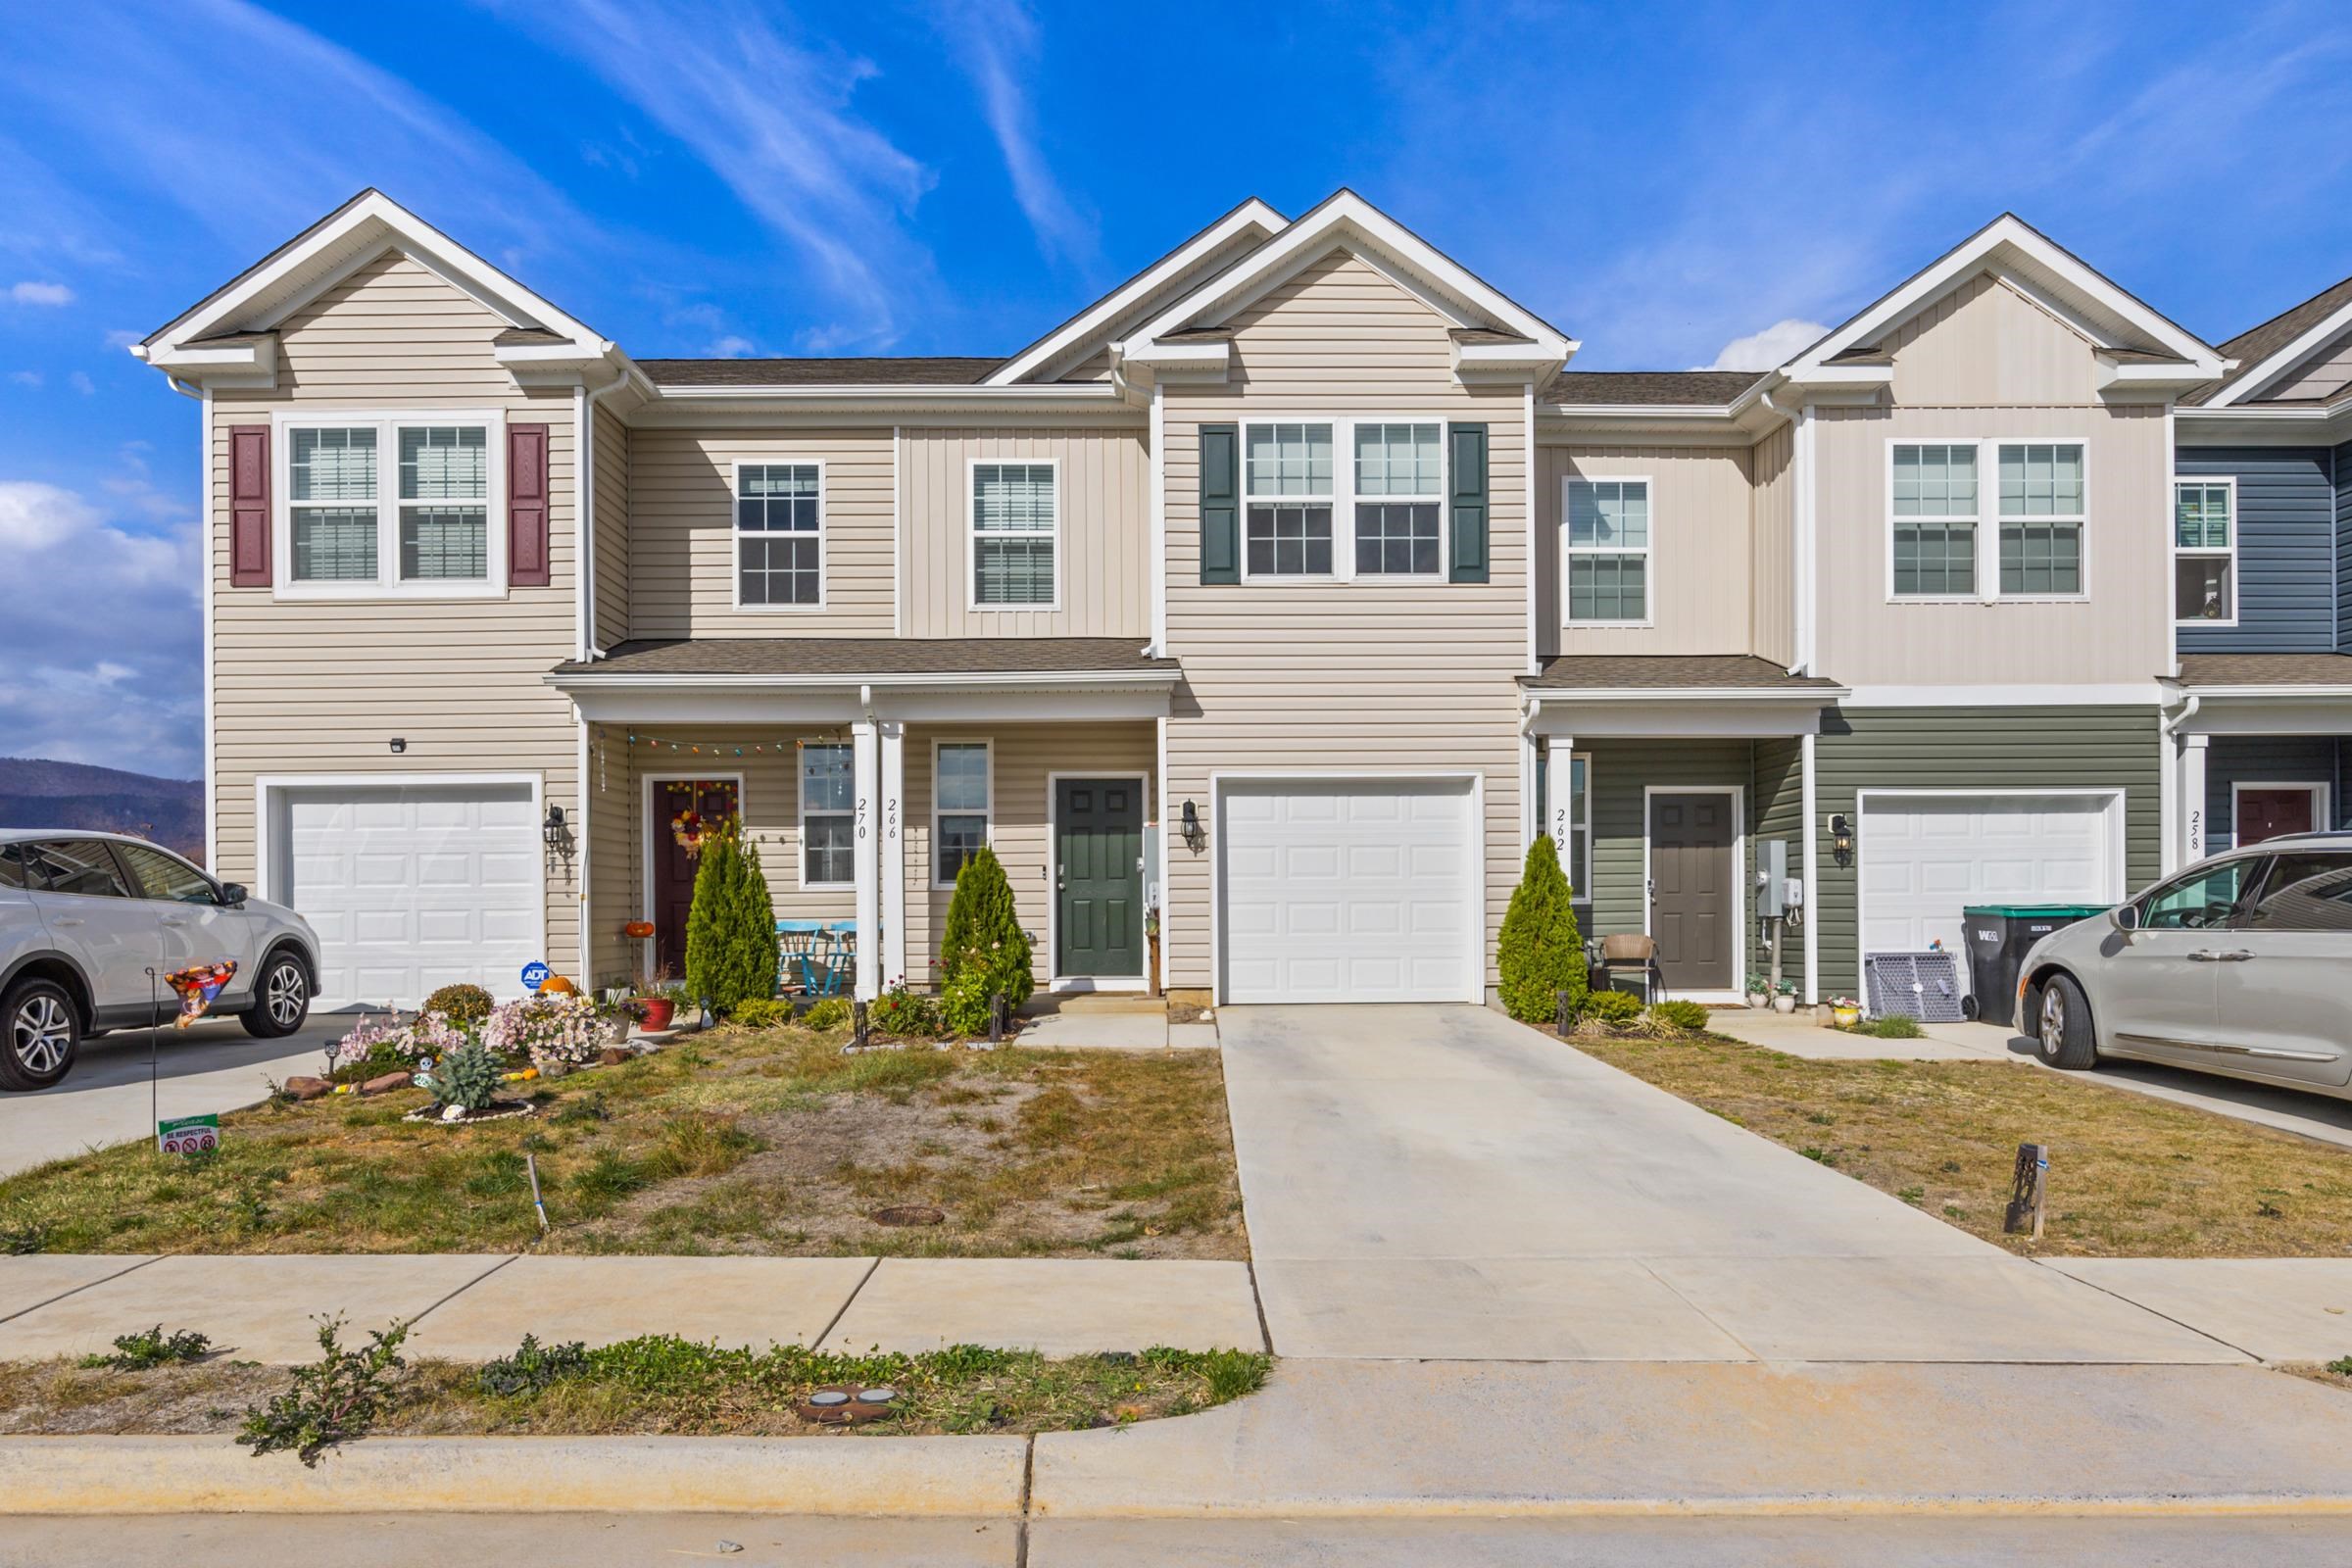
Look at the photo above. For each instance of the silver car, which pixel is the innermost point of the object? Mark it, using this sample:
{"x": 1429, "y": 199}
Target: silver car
{"x": 2240, "y": 964}
{"x": 91, "y": 922}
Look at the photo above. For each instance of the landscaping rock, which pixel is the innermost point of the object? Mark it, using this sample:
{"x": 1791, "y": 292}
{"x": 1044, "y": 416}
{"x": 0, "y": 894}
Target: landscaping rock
{"x": 386, "y": 1084}
{"x": 614, "y": 1056}
{"x": 300, "y": 1087}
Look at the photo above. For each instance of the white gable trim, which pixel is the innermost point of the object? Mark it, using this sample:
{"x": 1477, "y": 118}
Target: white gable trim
{"x": 2288, "y": 360}
{"x": 1253, "y": 216}
{"x": 1346, "y": 220}
{"x": 328, "y": 253}
{"x": 2039, "y": 268}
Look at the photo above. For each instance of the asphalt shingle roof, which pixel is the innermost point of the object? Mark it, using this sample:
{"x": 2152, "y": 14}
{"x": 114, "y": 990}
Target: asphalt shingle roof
{"x": 934, "y": 371}
{"x": 2266, "y": 669}
{"x": 1666, "y": 388}
{"x": 853, "y": 658}
{"x": 2257, "y": 344}
{"x": 1670, "y": 672}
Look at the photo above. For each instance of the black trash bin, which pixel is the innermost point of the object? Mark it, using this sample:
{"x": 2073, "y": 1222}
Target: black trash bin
{"x": 1998, "y": 936}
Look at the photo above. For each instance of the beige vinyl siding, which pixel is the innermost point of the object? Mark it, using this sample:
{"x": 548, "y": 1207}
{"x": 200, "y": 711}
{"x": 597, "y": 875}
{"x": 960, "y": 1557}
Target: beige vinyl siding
{"x": 612, "y": 486}
{"x": 1699, "y": 588}
{"x": 1772, "y": 545}
{"x": 1984, "y": 343}
{"x": 2321, "y": 375}
{"x": 1021, "y": 756}
{"x": 615, "y": 857}
{"x": 1092, "y": 361}
{"x": 683, "y": 533}
{"x": 1364, "y": 677}
{"x": 1103, "y": 480}
{"x": 322, "y": 687}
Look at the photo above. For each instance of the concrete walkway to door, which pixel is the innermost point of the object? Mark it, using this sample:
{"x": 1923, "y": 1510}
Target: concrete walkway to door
{"x": 1441, "y": 1183}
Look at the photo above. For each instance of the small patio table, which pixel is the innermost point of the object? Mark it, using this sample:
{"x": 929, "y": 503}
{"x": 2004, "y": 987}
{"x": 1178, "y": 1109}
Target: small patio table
{"x": 822, "y": 954}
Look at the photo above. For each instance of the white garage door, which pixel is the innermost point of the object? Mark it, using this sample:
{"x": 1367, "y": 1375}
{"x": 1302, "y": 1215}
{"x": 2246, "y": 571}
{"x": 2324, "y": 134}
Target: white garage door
{"x": 1925, "y": 858}
{"x": 413, "y": 887}
{"x": 1350, "y": 891}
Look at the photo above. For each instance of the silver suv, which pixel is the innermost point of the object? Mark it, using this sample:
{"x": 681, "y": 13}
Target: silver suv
{"x": 91, "y": 922}
{"x": 2240, "y": 964}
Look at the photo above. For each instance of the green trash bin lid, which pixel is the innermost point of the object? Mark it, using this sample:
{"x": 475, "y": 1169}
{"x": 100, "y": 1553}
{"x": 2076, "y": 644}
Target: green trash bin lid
{"x": 2038, "y": 911}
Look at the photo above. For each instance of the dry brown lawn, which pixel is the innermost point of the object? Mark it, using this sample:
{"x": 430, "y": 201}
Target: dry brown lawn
{"x": 2129, "y": 1176}
{"x": 769, "y": 1142}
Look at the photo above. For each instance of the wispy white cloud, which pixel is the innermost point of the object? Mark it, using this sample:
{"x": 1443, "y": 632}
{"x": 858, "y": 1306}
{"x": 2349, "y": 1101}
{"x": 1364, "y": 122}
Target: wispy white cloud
{"x": 774, "y": 119}
{"x": 31, "y": 378}
{"x": 997, "y": 41}
{"x": 79, "y": 381}
{"x": 730, "y": 348}
{"x": 1766, "y": 350}
{"x": 39, "y": 293}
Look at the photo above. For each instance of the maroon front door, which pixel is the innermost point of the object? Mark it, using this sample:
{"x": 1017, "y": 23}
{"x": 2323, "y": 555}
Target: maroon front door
{"x": 674, "y": 869}
{"x": 2267, "y": 813}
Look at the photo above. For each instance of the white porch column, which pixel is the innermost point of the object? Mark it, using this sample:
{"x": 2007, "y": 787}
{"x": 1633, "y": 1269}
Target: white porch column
{"x": 2193, "y": 826}
{"x": 894, "y": 852}
{"x": 1811, "y": 848}
{"x": 866, "y": 757}
{"x": 1559, "y": 758}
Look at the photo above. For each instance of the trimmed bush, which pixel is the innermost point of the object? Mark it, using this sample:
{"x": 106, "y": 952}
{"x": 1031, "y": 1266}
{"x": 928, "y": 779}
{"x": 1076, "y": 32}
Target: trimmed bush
{"x": 762, "y": 1013}
{"x": 732, "y": 927}
{"x": 900, "y": 1011}
{"x": 1541, "y": 954}
{"x": 1686, "y": 1015}
{"x": 459, "y": 1003}
{"x": 983, "y": 951}
{"x": 830, "y": 1013}
{"x": 1618, "y": 1007}
{"x": 469, "y": 1077}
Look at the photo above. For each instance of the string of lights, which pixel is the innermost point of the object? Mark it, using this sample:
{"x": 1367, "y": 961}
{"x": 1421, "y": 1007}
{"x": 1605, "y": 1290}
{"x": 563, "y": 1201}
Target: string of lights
{"x": 694, "y": 748}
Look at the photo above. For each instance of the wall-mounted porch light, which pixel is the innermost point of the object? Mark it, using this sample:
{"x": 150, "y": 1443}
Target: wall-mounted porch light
{"x": 553, "y": 830}
{"x": 1841, "y": 838}
{"x": 1194, "y": 835}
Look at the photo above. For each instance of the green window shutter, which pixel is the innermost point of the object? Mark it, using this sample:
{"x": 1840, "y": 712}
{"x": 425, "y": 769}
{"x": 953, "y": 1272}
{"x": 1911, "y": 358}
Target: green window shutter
{"x": 1467, "y": 447}
{"x": 1220, "y": 502}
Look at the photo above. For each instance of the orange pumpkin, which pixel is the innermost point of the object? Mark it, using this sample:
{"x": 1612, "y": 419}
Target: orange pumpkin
{"x": 638, "y": 930}
{"x": 556, "y": 985}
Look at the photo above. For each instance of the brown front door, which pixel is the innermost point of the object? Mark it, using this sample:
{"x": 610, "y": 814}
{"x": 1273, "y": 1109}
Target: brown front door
{"x": 673, "y": 868}
{"x": 1693, "y": 906}
{"x": 2267, "y": 813}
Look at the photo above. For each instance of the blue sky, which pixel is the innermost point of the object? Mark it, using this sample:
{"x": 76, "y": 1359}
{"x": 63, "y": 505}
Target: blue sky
{"x": 1666, "y": 183}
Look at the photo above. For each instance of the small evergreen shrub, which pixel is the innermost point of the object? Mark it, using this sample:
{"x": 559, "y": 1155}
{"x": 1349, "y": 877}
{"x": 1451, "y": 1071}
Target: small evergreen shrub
{"x": 338, "y": 1397}
{"x": 983, "y": 951}
{"x": 731, "y": 926}
{"x": 1541, "y": 953}
{"x": 900, "y": 1011}
{"x": 762, "y": 1013}
{"x": 830, "y": 1013}
{"x": 1615, "y": 1007}
{"x": 468, "y": 1077}
{"x": 1683, "y": 1015}
{"x": 151, "y": 1347}
{"x": 459, "y": 1003}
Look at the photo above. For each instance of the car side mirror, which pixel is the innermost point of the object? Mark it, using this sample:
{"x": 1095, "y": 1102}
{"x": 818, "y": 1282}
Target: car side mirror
{"x": 2125, "y": 917}
{"x": 233, "y": 894}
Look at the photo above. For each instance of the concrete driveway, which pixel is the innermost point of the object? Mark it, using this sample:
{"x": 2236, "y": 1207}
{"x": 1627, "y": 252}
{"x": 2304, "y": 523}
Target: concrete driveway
{"x": 1444, "y": 1183}
{"x": 213, "y": 1065}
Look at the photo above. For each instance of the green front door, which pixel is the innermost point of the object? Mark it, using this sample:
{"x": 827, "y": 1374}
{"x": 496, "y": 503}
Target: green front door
{"x": 1097, "y": 869}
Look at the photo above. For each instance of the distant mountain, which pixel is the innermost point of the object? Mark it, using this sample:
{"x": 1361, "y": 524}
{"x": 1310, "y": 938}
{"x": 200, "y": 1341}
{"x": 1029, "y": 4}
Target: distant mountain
{"x": 37, "y": 793}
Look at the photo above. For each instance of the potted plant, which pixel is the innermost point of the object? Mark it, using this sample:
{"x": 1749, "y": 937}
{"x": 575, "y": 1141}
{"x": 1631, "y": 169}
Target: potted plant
{"x": 1844, "y": 1011}
{"x": 1759, "y": 994}
{"x": 1785, "y": 1000}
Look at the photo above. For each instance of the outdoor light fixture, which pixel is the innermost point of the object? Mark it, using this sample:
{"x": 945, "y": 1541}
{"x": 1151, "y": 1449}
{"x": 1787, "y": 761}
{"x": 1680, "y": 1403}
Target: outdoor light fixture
{"x": 553, "y": 829}
{"x": 400, "y": 744}
{"x": 1841, "y": 838}
{"x": 1195, "y": 836}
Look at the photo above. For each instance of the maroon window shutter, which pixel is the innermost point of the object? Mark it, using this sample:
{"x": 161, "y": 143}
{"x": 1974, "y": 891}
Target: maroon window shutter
{"x": 527, "y": 505}
{"x": 249, "y": 505}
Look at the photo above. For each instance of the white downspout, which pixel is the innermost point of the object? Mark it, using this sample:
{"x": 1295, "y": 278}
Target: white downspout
{"x": 204, "y": 533}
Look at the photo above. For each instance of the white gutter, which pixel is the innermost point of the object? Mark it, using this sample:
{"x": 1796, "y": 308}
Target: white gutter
{"x": 1159, "y": 646}
{"x": 606, "y": 681}
{"x": 586, "y": 465}
{"x": 928, "y": 392}
{"x": 1693, "y": 694}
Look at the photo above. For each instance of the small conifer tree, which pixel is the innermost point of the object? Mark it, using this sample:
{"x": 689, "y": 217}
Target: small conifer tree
{"x": 731, "y": 926}
{"x": 1541, "y": 953}
{"x": 983, "y": 951}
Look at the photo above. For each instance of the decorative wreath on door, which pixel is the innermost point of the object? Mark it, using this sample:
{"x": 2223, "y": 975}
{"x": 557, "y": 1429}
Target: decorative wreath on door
{"x": 692, "y": 830}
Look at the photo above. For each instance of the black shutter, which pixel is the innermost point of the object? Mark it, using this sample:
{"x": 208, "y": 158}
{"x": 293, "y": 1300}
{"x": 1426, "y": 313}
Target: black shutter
{"x": 1468, "y": 500}
{"x": 1220, "y": 502}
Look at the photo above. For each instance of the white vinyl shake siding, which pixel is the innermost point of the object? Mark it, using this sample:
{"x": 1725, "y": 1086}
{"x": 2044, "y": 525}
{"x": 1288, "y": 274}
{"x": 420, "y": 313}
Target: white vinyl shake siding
{"x": 1364, "y": 677}
{"x": 324, "y": 686}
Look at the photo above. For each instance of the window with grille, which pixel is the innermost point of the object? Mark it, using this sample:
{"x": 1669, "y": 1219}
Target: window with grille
{"x": 2205, "y": 552}
{"x": 1016, "y": 522}
{"x": 433, "y": 527}
{"x": 1934, "y": 523}
{"x": 1395, "y": 534}
{"x": 780, "y": 535}
{"x": 1287, "y": 485}
{"x": 331, "y": 491}
{"x": 444, "y": 502}
{"x": 2041, "y": 511}
{"x": 1606, "y": 552}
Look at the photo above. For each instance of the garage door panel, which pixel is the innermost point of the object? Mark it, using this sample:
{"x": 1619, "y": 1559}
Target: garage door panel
{"x": 1347, "y": 891}
{"x": 1925, "y": 858}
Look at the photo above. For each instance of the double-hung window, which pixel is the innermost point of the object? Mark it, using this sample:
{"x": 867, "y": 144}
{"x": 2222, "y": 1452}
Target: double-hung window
{"x": 1015, "y": 521}
{"x": 1287, "y": 485}
{"x": 2205, "y": 551}
{"x": 2042, "y": 518}
{"x": 1398, "y": 480}
{"x": 959, "y": 807}
{"x": 828, "y": 815}
{"x": 1935, "y": 508}
{"x": 779, "y": 536}
{"x": 1606, "y": 559}
{"x": 379, "y": 504}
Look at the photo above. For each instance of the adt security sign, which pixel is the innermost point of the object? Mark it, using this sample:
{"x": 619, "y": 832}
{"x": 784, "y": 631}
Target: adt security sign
{"x": 534, "y": 974}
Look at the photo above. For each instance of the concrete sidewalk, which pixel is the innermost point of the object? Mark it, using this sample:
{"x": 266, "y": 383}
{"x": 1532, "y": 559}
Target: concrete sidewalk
{"x": 474, "y": 1307}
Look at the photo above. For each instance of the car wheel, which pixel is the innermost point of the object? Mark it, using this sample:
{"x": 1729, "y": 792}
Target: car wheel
{"x": 281, "y": 998}
{"x": 2062, "y": 1026}
{"x": 43, "y": 1033}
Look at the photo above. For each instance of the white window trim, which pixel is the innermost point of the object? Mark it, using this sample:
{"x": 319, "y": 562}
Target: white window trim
{"x": 801, "y": 812}
{"x": 2318, "y": 791}
{"x": 1344, "y": 498}
{"x": 972, "y": 532}
{"x": 1581, "y": 891}
{"x": 989, "y": 834}
{"x": 2206, "y": 553}
{"x": 387, "y": 424}
{"x": 1648, "y": 552}
{"x": 735, "y": 535}
{"x": 1989, "y": 520}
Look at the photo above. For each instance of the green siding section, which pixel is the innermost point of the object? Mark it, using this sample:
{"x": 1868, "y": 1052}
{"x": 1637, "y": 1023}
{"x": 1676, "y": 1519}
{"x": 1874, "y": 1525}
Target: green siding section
{"x": 1780, "y": 813}
{"x": 1962, "y": 749}
{"x": 1621, "y": 770}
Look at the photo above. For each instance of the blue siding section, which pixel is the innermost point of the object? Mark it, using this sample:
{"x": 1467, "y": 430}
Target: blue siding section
{"x": 2266, "y": 760}
{"x": 2343, "y": 547}
{"x": 2292, "y": 536}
